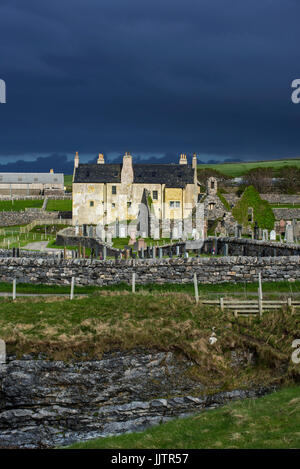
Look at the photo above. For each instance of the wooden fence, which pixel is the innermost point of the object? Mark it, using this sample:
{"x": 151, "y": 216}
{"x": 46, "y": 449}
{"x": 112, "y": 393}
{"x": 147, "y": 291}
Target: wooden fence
{"x": 251, "y": 307}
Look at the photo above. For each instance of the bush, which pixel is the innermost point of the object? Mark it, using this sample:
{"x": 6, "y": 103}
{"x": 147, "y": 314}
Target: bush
{"x": 262, "y": 211}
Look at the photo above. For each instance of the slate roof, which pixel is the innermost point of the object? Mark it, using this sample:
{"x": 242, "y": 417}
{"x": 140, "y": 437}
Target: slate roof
{"x": 173, "y": 175}
{"x": 32, "y": 178}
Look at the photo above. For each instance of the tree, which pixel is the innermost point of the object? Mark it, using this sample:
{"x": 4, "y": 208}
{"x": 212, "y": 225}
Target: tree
{"x": 289, "y": 179}
{"x": 260, "y": 178}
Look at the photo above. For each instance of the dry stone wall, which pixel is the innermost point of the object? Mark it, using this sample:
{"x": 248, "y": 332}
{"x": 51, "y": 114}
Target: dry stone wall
{"x": 95, "y": 272}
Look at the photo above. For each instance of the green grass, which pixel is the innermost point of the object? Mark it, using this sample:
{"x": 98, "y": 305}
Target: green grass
{"x": 120, "y": 243}
{"x": 238, "y": 169}
{"x": 18, "y": 205}
{"x": 108, "y": 320}
{"x": 272, "y": 421}
{"x": 64, "y": 205}
{"x": 224, "y": 289}
{"x": 68, "y": 182}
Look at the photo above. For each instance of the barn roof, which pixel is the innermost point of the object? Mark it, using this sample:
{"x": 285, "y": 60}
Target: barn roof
{"x": 31, "y": 178}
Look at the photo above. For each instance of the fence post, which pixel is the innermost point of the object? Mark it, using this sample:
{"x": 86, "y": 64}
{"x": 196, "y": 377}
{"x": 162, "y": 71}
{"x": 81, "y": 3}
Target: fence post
{"x": 289, "y": 302}
{"x": 72, "y": 288}
{"x": 196, "y": 288}
{"x": 260, "y": 307}
{"x": 260, "y": 287}
{"x": 14, "y": 289}
{"x": 222, "y": 304}
{"x": 133, "y": 282}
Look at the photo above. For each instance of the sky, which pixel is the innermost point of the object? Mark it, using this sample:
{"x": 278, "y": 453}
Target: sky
{"x": 156, "y": 78}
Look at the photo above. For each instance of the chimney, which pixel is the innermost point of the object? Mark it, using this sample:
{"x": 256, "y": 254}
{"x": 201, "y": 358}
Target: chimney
{"x": 76, "y": 160}
{"x": 76, "y": 163}
{"x": 194, "y": 164}
{"x": 100, "y": 159}
{"x": 51, "y": 171}
{"x": 183, "y": 159}
{"x": 127, "y": 169}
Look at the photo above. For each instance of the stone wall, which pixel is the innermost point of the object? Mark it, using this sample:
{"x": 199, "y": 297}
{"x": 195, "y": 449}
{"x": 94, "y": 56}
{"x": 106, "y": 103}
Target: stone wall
{"x": 286, "y": 213}
{"x": 53, "y": 403}
{"x": 271, "y": 198}
{"x": 95, "y": 272}
{"x": 249, "y": 247}
{"x": 25, "y": 217}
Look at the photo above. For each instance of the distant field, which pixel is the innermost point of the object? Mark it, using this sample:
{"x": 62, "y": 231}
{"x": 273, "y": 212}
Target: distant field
{"x": 18, "y": 205}
{"x": 59, "y": 205}
{"x": 238, "y": 169}
{"x": 68, "y": 182}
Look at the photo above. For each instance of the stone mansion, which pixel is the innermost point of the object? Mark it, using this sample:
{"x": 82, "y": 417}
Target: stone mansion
{"x": 108, "y": 193}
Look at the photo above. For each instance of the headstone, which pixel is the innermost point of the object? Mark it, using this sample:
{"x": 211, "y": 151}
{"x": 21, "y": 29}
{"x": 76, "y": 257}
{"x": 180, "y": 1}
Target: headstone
{"x": 160, "y": 253}
{"x": 132, "y": 235}
{"x": 109, "y": 237}
{"x": 273, "y": 235}
{"x": 265, "y": 235}
{"x": 2, "y": 352}
{"x": 289, "y": 233}
{"x": 225, "y": 249}
{"x": 123, "y": 230}
{"x": 84, "y": 230}
{"x": 90, "y": 231}
{"x": 156, "y": 233}
{"x": 177, "y": 250}
{"x": 256, "y": 231}
{"x": 77, "y": 229}
{"x": 175, "y": 233}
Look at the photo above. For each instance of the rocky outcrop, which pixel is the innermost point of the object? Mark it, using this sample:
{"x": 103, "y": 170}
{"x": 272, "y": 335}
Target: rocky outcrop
{"x": 50, "y": 403}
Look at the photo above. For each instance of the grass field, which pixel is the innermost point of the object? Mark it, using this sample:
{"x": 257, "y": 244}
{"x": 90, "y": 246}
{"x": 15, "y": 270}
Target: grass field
{"x": 272, "y": 421}
{"x": 205, "y": 290}
{"x": 107, "y": 321}
{"x": 18, "y": 205}
{"x": 63, "y": 205}
{"x": 238, "y": 169}
{"x": 68, "y": 182}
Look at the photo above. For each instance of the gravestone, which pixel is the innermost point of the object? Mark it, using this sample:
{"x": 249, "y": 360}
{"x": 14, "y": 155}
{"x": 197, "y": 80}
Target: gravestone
{"x": 175, "y": 233}
{"x": 265, "y": 235}
{"x": 156, "y": 233}
{"x": 90, "y": 231}
{"x": 273, "y": 235}
{"x": 256, "y": 231}
{"x": 2, "y": 352}
{"x": 289, "y": 233}
{"x": 123, "y": 230}
{"x": 77, "y": 229}
{"x": 109, "y": 237}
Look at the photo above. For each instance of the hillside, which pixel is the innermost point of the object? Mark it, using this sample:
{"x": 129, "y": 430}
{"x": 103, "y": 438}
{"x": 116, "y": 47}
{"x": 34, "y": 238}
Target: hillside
{"x": 240, "y": 168}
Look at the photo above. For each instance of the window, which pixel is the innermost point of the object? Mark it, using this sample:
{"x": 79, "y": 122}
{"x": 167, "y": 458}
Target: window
{"x": 91, "y": 203}
{"x": 174, "y": 204}
{"x": 113, "y": 205}
{"x": 211, "y": 206}
{"x": 114, "y": 189}
{"x": 212, "y": 184}
{"x": 155, "y": 195}
{"x": 128, "y": 204}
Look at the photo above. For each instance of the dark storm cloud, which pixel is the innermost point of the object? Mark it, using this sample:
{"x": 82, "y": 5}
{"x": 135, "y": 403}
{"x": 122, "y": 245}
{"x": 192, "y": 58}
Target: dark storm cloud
{"x": 160, "y": 77}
